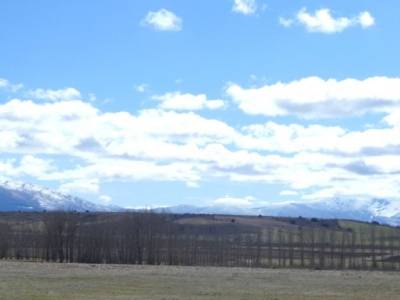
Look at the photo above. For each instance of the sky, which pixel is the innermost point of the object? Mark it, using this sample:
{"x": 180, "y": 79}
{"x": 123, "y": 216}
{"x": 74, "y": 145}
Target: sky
{"x": 234, "y": 102}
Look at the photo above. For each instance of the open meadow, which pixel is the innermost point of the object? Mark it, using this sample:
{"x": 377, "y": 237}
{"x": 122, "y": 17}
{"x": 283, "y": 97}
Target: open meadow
{"x": 41, "y": 281}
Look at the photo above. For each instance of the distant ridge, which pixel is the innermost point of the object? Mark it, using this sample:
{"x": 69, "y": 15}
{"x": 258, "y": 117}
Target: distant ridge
{"x": 17, "y": 196}
{"x": 379, "y": 210}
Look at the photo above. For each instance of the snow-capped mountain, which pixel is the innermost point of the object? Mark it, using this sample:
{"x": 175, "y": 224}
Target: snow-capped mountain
{"x": 380, "y": 210}
{"x": 16, "y": 196}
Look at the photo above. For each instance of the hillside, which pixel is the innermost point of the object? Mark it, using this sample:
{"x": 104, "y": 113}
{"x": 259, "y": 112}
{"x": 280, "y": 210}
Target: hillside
{"x": 379, "y": 210}
{"x": 16, "y": 196}
{"x": 204, "y": 240}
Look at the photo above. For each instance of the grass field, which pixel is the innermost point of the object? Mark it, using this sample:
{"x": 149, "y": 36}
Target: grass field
{"x": 25, "y": 280}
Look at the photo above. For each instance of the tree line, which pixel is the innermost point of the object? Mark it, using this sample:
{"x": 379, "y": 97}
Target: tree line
{"x": 152, "y": 238}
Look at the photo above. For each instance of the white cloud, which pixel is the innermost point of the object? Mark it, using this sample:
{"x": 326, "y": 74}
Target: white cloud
{"x": 286, "y": 22}
{"x": 9, "y": 139}
{"x": 92, "y": 97}
{"x": 323, "y": 21}
{"x": 3, "y": 83}
{"x": 163, "y": 20}
{"x": 27, "y": 165}
{"x": 383, "y": 187}
{"x": 153, "y": 143}
{"x": 7, "y": 85}
{"x": 35, "y": 167}
{"x": 81, "y": 186}
{"x": 393, "y": 117}
{"x": 245, "y": 7}
{"x": 8, "y": 169}
{"x": 105, "y": 199}
{"x": 168, "y": 145}
{"x": 234, "y": 201}
{"x": 179, "y": 101}
{"x": 172, "y": 146}
{"x": 55, "y": 95}
{"x": 288, "y": 193}
{"x": 366, "y": 19}
{"x": 313, "y": 97}
{"x": 295, "y": 138}
{"x": 142, "y": 88}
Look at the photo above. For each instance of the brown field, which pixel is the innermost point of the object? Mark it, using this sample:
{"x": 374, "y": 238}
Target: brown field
{"x": 42, "y": 281}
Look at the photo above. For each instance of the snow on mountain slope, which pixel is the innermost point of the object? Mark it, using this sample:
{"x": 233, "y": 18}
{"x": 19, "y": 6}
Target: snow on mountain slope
{"x": 15, "y": 196}
{"x": 380, "y": 210}
{"x": 27, "y": 197}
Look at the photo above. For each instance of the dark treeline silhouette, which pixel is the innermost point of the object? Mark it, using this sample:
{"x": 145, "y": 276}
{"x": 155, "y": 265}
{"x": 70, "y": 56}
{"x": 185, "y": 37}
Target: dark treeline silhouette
{"x": 152, "y": 238}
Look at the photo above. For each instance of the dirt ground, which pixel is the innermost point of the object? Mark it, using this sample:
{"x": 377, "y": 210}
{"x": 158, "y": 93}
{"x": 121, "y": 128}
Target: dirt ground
{"x": 26, "y": 280}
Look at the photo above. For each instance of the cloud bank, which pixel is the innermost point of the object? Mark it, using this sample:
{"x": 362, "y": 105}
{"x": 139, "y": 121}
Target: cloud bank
{"x": 317, "y": 98}
{"x": 79, "y": 146}
{"x": 323, "y": 21}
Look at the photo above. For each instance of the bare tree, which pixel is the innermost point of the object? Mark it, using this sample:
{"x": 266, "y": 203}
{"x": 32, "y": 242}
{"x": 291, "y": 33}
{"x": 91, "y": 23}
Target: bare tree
{"x": 4, "y": 240}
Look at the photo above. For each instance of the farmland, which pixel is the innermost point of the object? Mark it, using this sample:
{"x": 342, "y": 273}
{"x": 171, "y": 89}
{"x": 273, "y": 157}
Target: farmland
{"x": 144, "y": 255}
{"x": 147, "y": 238}
{"x": 45, "y": 281}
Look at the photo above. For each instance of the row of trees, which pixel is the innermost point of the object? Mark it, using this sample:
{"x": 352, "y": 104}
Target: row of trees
{"x": 149, "y": 238}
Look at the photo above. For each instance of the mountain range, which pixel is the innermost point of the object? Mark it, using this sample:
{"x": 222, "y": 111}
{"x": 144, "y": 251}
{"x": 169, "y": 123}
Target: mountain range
{"x": 378, "y": 210}
{"x": 15, "y": 196}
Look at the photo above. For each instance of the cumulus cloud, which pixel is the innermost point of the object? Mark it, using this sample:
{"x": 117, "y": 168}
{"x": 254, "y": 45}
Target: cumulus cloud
{"x": 8, "y": 169}
{"x": 292, "y": 138}
{"x": 234, "y": 201}
{"x": 27, "y": 165}
{"x": 366, "y": 19}
{"x": 81, "y": 186}
{"x": 359, "y": 189}
{"x": 245, "y": 7}
{"x": 393, "y": 117}
{"x": 55, "y": 95}
{"x": 163, "y": 20}
{"x": 186, "y": 101}
{"x": 171, "y": 146}
{"x": 177, "y": 145}
{"x": 314, "y": 97}
{"x": 152, "y": 144}
{"x": 8, "y": 86}
{"x": 35, "y": 167}
{"x": 323, "y": 21}
{"x": 289, "y": 193}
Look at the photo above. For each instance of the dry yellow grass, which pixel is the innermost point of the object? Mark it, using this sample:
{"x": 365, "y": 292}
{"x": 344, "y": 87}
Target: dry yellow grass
{"x": 24, "y": 280}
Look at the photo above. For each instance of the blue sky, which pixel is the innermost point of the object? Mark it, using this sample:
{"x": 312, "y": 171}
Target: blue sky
{"x": 193, "y": 101}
